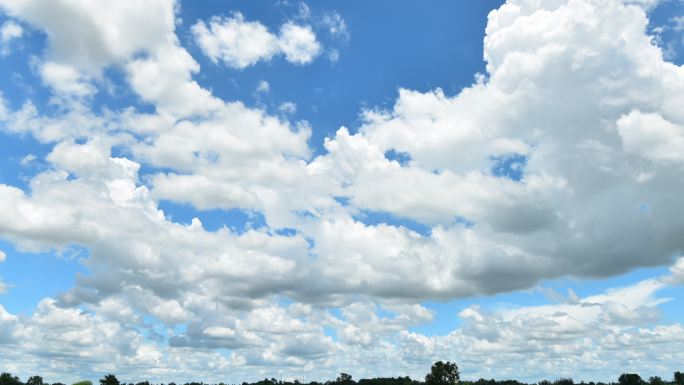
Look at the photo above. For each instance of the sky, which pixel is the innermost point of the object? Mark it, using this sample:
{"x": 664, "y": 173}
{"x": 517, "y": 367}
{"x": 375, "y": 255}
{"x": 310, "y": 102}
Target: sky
{"x": 224, "y": 191}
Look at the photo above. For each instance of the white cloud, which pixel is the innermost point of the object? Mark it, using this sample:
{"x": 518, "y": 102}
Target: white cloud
{"x": 234, "y": 41}
{"x": 677, "y": 272}
{"x": 27, "y": 160}
{"x": 89, "y": 36}
{"x": 9, "y": 31}
{"x": 585, "y": 340}
{"x": 678, "y": 23}
{"x": 652, "y": 137}
{"x": 239, "y": 43}
{"x": 263, "y": 86}
{"x": 86, "y": 37}
{"x": 538, "y": 227}
{"x": 65, "y": 79}
{"x": 298, "y": 43}
{"x": 288, "y": 108}
{"x": 2, "y": 256}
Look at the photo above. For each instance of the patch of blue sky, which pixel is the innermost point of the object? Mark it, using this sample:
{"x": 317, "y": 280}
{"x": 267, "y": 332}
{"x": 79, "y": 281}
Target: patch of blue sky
{"x": 237, "y": 220}
{"x": 344, "y": 201}
{"x": 404, "y": 45}
{"x": 463, "y": 221}
{"x": 336, "y": 312}
{"x": 21, "y": 71}
{"x": 403, "y": 158}
{"x": 330, "y": 332}
{"x": 509, "y": 166}
{"x": 34, "y": 276}
{"x": 24, "y": 158}
{"x": 287, "y": 232}
{"x": 371, "y": 217}
{"x": 666, "y": 25}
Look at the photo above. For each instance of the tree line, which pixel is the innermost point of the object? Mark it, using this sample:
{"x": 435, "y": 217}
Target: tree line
{"x": 441, "y": 373}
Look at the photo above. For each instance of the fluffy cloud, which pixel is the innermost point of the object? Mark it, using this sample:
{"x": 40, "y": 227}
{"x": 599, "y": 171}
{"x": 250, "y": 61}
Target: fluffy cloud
{"x": 489, "y": 233}
{"x": 90, "y": 35}
{"x": 239, "y": 43}
{"x": 524, "y": 342}
{"x": 65, "y": 79}
{"x": 236, "y": 42}
{"x": 298, "y": 43}
{"x": 9, "y": 31}
{"x": 652, "y": 137}
{"x": 585, "y": 340}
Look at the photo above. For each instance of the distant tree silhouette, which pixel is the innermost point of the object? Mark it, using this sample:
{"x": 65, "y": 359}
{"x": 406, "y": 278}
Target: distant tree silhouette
{"x": 388, "y": 381}
{"x": 678, "y": 378}
{"x": 8, "y": 379}
{"x": 630, "y": 379}
{"x": 35, "y": 380}
{"x": 442, "y": 374}
{"x": 344, "y": 379}
{"x": 564, "y": 381}
{"x": 109, "y": 379}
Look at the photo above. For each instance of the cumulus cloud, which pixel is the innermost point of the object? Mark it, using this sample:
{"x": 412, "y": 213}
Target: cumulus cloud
{"x": 489, "y": 233}
{"x": 652, "y": 137}
{"x": 560, "y": 339}
{"x": 65, "y": 79}
{"x": 236, "y": 42}
{"x": 239, "y": 43}
{"x": 9, "y": 31}
{"x": 298, "y": 43}
{"x": 525, "y": 342}
{"x": 90, "y": 35}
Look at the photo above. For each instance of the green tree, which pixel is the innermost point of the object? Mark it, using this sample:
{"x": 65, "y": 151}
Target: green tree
{"x": 35, "y": 380}
{"x": 109, "y": 379}
{"x": 656, "y": 380}
{"x": 344, "y": 379}
{"x": 442, "y": 374}
{"x": 678, "y": 378}
{"x": 630, "y": 379}
{"x": 564, "y": 381}
{"x": 8, "y": 379}
{"x": 84, "y": 382}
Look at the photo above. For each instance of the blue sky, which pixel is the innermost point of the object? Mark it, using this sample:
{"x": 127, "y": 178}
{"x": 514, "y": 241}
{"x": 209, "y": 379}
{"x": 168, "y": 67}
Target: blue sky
{"x": 300, "y": 189}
